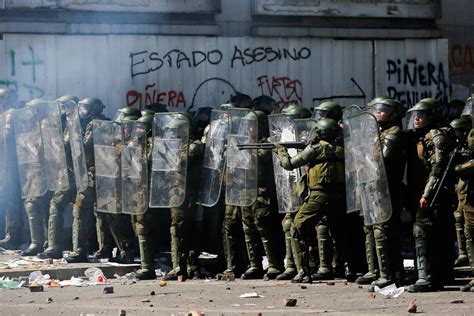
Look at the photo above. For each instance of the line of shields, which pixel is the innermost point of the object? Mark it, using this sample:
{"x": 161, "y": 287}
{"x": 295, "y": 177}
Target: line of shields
{"x": 51, "y": 157}
{"x": 49, "y": 150}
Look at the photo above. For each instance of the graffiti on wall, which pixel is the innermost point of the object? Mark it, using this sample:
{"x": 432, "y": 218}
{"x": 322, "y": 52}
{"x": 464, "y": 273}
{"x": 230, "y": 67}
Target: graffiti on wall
{"x": 30, "y": 64}
{"x": 461, "y": 60}
{"x": 410, "y": 80}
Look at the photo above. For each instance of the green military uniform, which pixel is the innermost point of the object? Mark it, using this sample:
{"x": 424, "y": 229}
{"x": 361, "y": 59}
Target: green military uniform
{"x": 10, "y": 193}
{"x": 293, "y": 253}
{"x": 466, "y": 172}
{"x": 461, "y": 127}
{"x": 184, "y": 253}
{"x": 60, "y": 200}
{"x": 428, "y": 154}
{"x": 387, "y": 235}
{"x": 36, "y": 210}
{"x": 83, "y": 230}
{"x": 325, "y": 159}
{"x": 259, "y": 220}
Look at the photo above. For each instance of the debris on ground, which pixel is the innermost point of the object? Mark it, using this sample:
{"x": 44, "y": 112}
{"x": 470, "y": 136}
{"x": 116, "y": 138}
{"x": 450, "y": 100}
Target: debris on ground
{"x": 126, "y": 279}
{"x": 195, "y": 313}
{"x": 390, "y": 291}
{"x": 7, "y": 283}
{"x": 145, "y": 300}
{"x": 108, "y": 290}
{"x": 36, "y": 288}
{"x": 412, "y": 308}
{"x": 456, "y": 301}
{"x": 251, "y": 295}
{"x": 163, "y": 283}
{"x": 289, "y": 302}
{"x": 49, "y": 300}
{"x": 152, "y": 293}
{"x": 96, "y": 276}
{"x": 372, "y": 295}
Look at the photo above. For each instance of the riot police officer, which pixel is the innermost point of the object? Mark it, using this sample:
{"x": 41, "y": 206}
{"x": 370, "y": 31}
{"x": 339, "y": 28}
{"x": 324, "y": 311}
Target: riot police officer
{"x": 83, "y": 232}
{"x": 60, "y": 199}
{"x": 325, "y": 184}
{"x": 10, "y": 195}
{"x": 428, "y": 152}
{"x": 387, "y": 234}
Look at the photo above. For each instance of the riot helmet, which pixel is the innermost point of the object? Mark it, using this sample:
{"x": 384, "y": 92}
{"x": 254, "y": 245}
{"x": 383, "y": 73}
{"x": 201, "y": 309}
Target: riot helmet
{"x": 422, "y": 114}
{"x": 34, "y": 102}
{"x": 127, "y": 111}
{"x": 175, "y": 127}
{"x": 147, "y": 120}
{"x": 201, "y": 119}
{"x": 226, "y": 106}
{"x": 89, "y": 108}
{"x": 296, "y": 111}
{"x": 386, "y": 110}
{"x": 148, "y": 112}
{"x": 264, "y": 103}
{"x": 326, "y": 129}
{"x": 328, "y": 109}
{"x": 468, "y": 107}
{"x": 241, "y": 100}
{"x": 461, "y": 127}
{"x": 67, "y": 98}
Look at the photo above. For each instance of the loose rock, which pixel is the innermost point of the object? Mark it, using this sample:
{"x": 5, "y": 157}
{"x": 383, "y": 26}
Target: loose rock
{"x": 145, "y": 300}
{"x": 49, "y": 300}
{"x": 412, "y": 307}
{"x": 304, "y": 287}
{"x": 152, "y": 293}
{"x": 122, "y": 312}
{"x": 36, "y": 288}
{"x": 289, "y": 302}
{"x": 108, "y": 290}
{"x": 456, "y": 301}
{"x": 163, "y": 283}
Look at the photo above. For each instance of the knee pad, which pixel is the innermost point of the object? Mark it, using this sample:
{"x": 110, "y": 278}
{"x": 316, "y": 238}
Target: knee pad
{"x": 459, "y": 216}
{"x": 380, "y": 233}
{"x": 418, "y": 232}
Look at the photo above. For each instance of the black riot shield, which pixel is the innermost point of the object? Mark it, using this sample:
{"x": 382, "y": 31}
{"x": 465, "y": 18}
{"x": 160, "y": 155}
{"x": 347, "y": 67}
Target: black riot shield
{"x": 368, "y": 160}
{"x": 29, "y": 150}
{"x": 214, "y": 158}
{"x": 107, "y": 148}
{"x": 134, "y": 168}
{"x": 241, "y": 169}
{"x": 56, "y": 169}
{"x": 78, "y": 157}
{"x": 352, "y": 190}
{"x": 169, "y": 160}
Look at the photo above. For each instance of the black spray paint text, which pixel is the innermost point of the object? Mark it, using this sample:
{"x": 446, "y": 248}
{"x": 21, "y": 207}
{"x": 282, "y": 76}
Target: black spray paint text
{"x": 145, "y": 62}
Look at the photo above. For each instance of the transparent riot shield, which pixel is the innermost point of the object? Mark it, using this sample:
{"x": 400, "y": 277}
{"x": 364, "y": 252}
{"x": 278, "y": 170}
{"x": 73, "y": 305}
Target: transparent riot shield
{"x": 3, "y": 149}
{"x": 56, "y": 169}
{"x": 303, "y": 129}
{"x": 134, "y": 168}
{"x": 352, "y": 190}
{"x": 241, "y": 169}
{"x": 78, "y": 157}
{"x": 214, "y": 160}
{"x": 169, "y": 160}
{"x": 283, "y": 129}
{"x": 107, "y": 148}
{"x": 368, "y": 160}
{"x": 29, "y": 150}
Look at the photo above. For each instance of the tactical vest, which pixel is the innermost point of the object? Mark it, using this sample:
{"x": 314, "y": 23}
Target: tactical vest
{"x": 328, "y": 168}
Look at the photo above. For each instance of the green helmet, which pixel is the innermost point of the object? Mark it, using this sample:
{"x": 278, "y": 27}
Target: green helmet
{"x": 328, "y": 109}
{"x": 461, "y": 126}
{"x": 255, "y": 120}
{"x": 148, "y": 112}
{"x": 377, "y": 100}
{"x": 7, "y": 97}
{"x": 67, "y": 98}
{"x": 296, "y": 111}
{"x": 426, "y": 109}
{"x": 147, "y": 120}
{"x": 129, "y": 119}
{"x": 35, "y": 102}
{"x": 327, "y": 129}
{"x": 90, "y": 107}
{"x": 384, "y": 104}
